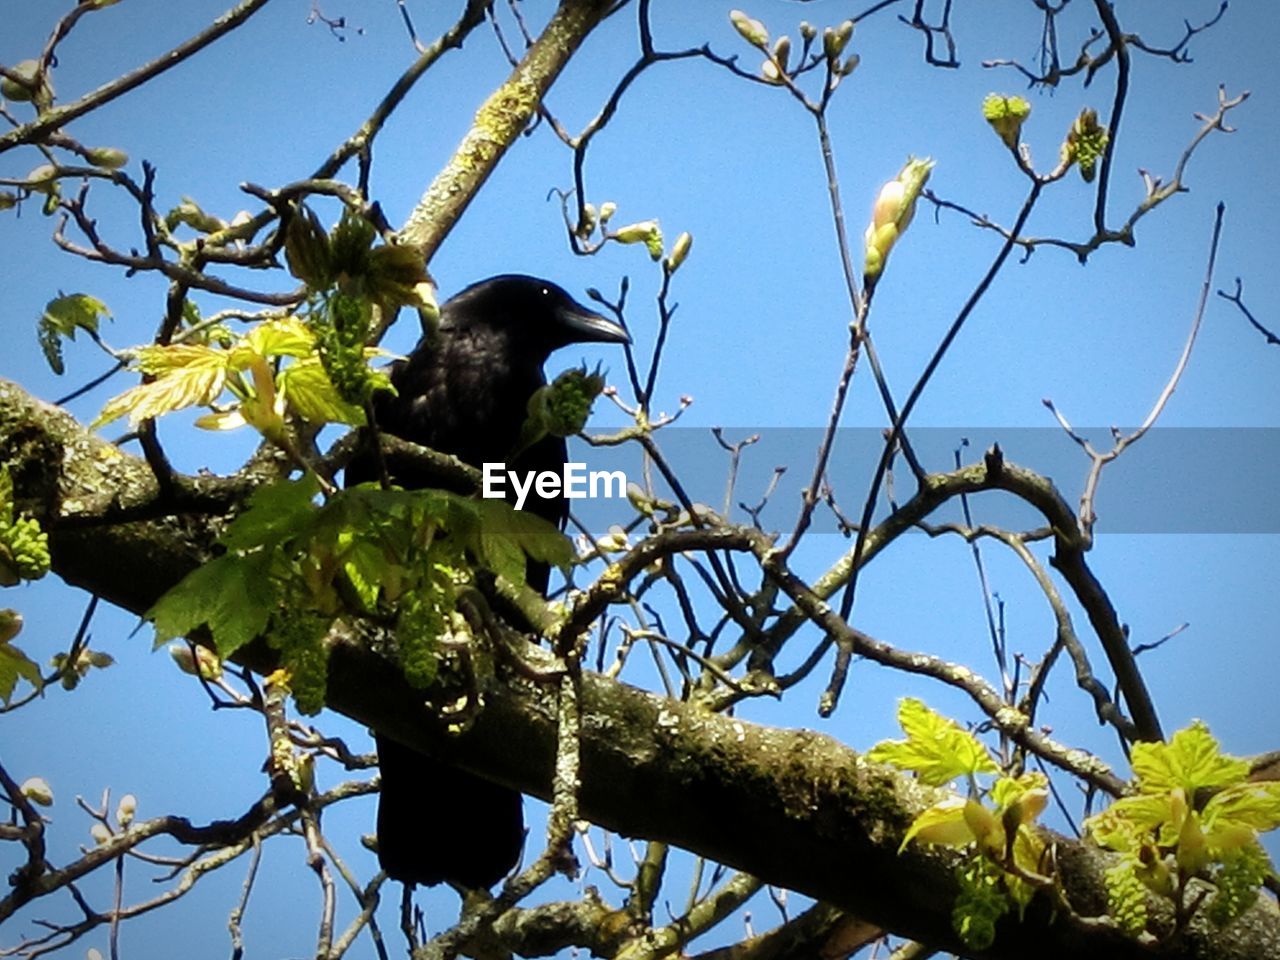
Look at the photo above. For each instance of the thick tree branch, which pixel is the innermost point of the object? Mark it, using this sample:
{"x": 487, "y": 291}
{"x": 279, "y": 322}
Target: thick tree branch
{"x": 793, "y": 807}
{"x": 499, "y": 121}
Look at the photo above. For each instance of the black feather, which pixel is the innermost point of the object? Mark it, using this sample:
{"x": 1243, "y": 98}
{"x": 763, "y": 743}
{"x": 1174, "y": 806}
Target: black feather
{"x": 465, "y": 392}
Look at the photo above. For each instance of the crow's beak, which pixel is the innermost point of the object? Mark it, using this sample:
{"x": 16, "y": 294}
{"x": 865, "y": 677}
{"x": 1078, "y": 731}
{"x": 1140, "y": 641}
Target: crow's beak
{"x": 585, "y": 326}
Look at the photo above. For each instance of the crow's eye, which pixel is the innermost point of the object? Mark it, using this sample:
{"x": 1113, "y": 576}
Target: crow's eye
{"x": 545, "y": 291}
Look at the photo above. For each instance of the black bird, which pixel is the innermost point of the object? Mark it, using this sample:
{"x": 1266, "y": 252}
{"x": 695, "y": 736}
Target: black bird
{"x": 465, "y": 391}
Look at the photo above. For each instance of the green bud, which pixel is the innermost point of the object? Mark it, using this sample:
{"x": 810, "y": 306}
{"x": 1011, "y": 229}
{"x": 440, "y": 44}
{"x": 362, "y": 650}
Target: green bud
{"x": 782, "y": 52}
{"x": 8, "y": 200}
{"x": 203, "y": 662}
{"x": 894, "y": 207}
{"x": 769, "y": 72}
{"x": 614, "y": 541}
{"x": 108, "y": 157}
{"x": 639, "y": 500}
{"x": 126, "y": 809}
{"x": 647, "y": 232}
{"x": 588, "y": 221}
{"x": 807, "y": 30}
{"x": 10, "y": 624}
{"x": 1006, "y": 116}
{"x": 753, "y": 31}
{"x": 635, "y": 232}
{"x": 1085, "y": 143}
{"x": 850, "y": 64}
{"x": 43, "y": 179}
{"x": 190, "y": 213}
{"x": 23, "y": 92}
{"x": 307, "y": 249}
{"x": 679, "y": 251}
{"x": 835, "y": 39}
{"x": 37, "y": 790}
{"x": 607, "y": 210}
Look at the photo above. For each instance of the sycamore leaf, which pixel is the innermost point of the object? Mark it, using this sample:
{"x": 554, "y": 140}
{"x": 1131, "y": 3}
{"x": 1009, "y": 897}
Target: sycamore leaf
{"x": 936, "y": 749}
{"x": 365, "y": 565}
{"x": 159, "y": 360}
{"x": 14, "y": 664}
{"x": 1191, "y": 760}
{"x": 1252, "y": 805}
{"x": 275, "y": 511}
{"x": 541, "y": 540}
{"x": 310, "y": 393}
{"x": 62, "y": 317}
{"x": 944, "y": 824}
{"x": 286, "y": 337}
{"x": 1030, "y": 788}
{"x": 194, "y": 383}
{"x": 231, "y": 595}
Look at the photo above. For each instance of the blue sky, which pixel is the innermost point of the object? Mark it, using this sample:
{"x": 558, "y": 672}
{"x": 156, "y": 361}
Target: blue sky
{"x": 758, "y": 339}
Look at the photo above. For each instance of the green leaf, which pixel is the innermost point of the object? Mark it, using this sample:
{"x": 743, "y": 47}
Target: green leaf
{"x": 14, "y": 664}
{"x": 232, "y": 595}
{"x": 1191, "y": 760}
{"x": 944, "y": 823}
{"x": 311, "y": 394}
{"x": 275, "y": 511}
{"x": 365, "y": 565}
{"x": 186, "y": 376}
{"x": 936, "y": 749}
{"x": 287, "y": 337}
{"x": 62, "y": 317}
{"x": 1253, "y": 805}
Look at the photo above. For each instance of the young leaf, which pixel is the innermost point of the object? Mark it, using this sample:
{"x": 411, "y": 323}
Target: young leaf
{"x": 310, "y": 393}
{"x": 62, "y": 317}
{"x": 275, "y": 511}
{"x": 232, "y": 595}
{"x": 936, "y": 749}
{"x": 14, "y": 664}
{"x": 187, "y": 376}
{"x": 1191, "y": 760}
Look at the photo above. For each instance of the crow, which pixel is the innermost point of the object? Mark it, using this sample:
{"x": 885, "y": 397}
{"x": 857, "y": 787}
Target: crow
{"x": 464, "y": 391}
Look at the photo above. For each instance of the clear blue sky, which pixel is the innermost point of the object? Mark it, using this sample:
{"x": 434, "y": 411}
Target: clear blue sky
{"x": 758, "y": 340}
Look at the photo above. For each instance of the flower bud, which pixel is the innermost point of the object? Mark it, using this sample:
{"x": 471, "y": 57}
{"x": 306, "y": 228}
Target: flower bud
{"x": 679, "y": 251}
{"x": 635, "y": 232}
{"x": 37, "y": 790}
{"x": 753, "y": 31}
{"x": 807, "y": 31}
{"x": 1006, "y": 116}
{"x": 588, "y": 220}
{"x": 101, "y": 833}
{"x": 43, "y": 179}
{"x": 894, "y": 207}
{"x": 1085, "y": 143}
{"x": 203, "y": 662}
{"x": 782, "y": 52}
{"x": 769, "y": 71}
{"x": 10, "y": 624}
{"x": 835, "y": 39}
{"x": 125, "y": 810}
{"x": 108, "y": 157}
{"x": 20, "y": 92}
{"x": 607, "y": 210}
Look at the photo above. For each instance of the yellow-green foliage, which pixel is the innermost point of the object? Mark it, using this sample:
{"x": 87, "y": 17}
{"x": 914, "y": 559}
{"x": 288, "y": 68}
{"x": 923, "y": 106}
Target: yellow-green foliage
{"x": 1193, "y": 812}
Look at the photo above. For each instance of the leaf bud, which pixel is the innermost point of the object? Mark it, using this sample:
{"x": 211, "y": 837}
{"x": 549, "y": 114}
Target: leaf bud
{"x": 753, "y": 31}
{"x": 37, "y": 790}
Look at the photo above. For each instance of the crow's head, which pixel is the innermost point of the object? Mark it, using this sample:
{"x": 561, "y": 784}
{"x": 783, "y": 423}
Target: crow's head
{"x": 535, "y": 315}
